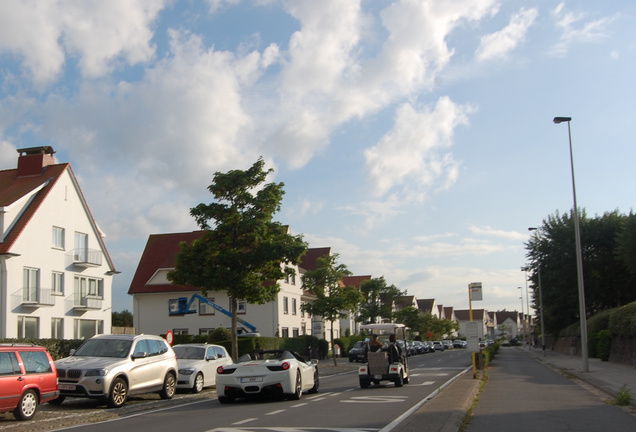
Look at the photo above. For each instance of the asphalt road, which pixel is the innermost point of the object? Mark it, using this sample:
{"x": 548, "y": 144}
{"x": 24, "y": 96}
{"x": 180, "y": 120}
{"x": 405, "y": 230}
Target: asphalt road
{"x": 526, "y": 395}
{"x": 340, "y": 404}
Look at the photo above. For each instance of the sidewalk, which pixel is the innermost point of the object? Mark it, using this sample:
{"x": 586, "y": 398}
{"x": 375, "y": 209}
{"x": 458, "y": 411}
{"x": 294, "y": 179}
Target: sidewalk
{"x": 605, "y": 376}
{"x": 523, "y": 393}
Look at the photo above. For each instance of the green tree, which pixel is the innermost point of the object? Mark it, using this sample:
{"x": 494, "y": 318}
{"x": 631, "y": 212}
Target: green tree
{"x": 411, "y": 317}
{"x": 607, "y": 278}
{"x": 332, "y": 300}
{"x": 242, "y": 250}
{"x": 379, "y": 299}
{"x": 122, "y": 319}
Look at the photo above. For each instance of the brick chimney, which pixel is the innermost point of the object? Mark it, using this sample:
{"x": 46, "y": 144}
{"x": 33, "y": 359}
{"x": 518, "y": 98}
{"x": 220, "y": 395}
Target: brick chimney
{"x": 33, "y": 160}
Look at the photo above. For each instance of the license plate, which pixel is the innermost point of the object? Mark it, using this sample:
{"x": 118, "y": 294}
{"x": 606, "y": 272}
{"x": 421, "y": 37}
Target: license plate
{"x": 251, "y": 379}
{"x": 69, "y": 387}
{"x": 379, "y": 377}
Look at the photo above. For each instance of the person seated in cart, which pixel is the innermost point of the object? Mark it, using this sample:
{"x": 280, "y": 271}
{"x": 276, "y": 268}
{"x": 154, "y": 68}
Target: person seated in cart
{"x": 394, "y": 351}
{"x": 374, "y": 344}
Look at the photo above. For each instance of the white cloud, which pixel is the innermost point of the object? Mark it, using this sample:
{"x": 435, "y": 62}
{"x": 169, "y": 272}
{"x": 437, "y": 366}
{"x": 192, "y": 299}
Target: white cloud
{"x": 373, "y": 213}
{"x": 492, "y": 232}
{"x": 575, "y": 30}
{"x": 414, "y": 154}
{"x": 498, "y": 44}
{"x": 97, "y": 33}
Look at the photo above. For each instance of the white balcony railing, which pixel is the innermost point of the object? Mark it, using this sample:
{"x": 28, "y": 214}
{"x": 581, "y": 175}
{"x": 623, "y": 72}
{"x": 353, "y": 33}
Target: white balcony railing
{"x": 85, "y": 257}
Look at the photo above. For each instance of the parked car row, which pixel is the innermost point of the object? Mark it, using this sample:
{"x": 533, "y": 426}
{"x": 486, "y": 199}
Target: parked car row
{"x": 111, "y": 368}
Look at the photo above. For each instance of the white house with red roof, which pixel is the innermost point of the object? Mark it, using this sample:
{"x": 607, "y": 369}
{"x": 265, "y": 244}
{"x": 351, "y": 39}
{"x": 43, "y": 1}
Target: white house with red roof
{"x": 156, "y": 299}
{"x": 55, "y": 271}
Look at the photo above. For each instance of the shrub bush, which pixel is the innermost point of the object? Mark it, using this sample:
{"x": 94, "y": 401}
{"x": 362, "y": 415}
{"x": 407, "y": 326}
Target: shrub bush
{"x": 603, "y": 344}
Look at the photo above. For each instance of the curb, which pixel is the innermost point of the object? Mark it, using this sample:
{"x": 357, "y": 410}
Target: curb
{"x": 443, "y": 411}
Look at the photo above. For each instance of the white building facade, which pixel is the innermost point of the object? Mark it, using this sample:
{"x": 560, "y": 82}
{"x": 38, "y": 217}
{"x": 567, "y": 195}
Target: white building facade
{"x": 55, "y": 272}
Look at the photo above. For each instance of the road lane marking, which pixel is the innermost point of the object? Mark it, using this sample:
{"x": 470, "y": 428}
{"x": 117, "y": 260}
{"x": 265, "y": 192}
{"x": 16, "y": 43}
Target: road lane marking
{"x": 244, "y": 421}
{"x": 299, "y": 405}
{"x": 275, "y": 412}
{"x": 375, "y": 399}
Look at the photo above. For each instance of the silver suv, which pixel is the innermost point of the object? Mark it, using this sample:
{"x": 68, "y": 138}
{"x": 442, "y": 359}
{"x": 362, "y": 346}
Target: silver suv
{"x": 113, "y": 367}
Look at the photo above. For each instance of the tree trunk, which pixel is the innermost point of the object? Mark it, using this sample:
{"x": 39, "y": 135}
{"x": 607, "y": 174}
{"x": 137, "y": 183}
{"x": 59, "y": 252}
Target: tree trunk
{"x": 333, "y": 347}
{"x": 234, "y": 336}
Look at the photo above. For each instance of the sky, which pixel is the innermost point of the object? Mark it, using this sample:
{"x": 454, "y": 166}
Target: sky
{"x": 414, "y": 137}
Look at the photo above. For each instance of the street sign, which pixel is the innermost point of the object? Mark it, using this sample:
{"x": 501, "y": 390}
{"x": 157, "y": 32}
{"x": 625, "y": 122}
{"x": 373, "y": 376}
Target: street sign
{"x": 475, "y": 291}
{"x": 472, "y": 336}
{"x": 169, "y": 337}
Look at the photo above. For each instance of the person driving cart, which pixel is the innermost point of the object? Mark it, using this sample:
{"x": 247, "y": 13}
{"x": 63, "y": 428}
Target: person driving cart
{"x": 394, "y": 351}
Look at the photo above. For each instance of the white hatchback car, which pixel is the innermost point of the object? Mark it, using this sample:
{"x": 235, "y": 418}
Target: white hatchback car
{"x": 198, "y": 363}
{"x": 113, "y": 367}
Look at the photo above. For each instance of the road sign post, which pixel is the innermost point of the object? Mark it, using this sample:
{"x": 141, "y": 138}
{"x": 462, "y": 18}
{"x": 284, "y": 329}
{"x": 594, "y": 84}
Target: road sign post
{"x": 474, "y": 293}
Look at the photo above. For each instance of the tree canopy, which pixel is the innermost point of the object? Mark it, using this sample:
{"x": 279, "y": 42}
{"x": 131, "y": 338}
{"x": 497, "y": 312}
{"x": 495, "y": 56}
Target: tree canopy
{"x": 608, "y": 248}
{"x": 242, "y": 249}
{"x": 379, "y": 299}
{"x": 332, "y": 299}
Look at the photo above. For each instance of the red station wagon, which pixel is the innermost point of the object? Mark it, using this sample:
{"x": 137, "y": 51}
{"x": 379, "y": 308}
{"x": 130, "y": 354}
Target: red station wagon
{"x": 28, "y": 378}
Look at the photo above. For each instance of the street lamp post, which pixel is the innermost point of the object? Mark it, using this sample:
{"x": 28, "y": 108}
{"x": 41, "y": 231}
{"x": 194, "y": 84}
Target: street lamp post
{"x": 525, "y": 269}
{"x": 540, "y": 296}
{"x": 523, "y": 319}
{"x": 579, "y": 253}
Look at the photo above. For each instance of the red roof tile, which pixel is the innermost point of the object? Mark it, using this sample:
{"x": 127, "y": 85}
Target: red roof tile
{"x": 160, "y": 253}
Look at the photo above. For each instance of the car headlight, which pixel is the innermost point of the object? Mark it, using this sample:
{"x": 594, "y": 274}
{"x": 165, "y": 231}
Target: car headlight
{"x": 186, "y": 371}
{"x": 96, "y": 372}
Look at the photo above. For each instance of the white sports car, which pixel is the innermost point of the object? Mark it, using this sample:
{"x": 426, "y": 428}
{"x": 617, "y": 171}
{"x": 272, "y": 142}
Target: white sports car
{"x": 269, "y": 373}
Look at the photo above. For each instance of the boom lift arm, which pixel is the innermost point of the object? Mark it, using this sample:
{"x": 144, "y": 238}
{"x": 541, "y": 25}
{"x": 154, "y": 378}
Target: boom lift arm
{"x": 184, "y": 307}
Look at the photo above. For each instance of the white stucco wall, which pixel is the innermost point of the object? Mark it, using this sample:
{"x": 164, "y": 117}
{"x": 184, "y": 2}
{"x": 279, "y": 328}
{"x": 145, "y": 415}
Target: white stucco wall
{"x": 34, "y": 249}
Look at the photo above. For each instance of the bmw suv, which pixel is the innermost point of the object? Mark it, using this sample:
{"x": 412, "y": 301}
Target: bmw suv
{"x": 113, "y": 367}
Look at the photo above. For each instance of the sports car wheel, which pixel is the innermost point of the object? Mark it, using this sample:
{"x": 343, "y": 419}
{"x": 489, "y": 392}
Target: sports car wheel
{"x": 27, "y": 407}
{"x": 118, "y": 393}
{"x": 198, "y": 383}
{"x": 169, "y": 387}
{"x": 298, "y": 388}
{"x": 314, "y": 389}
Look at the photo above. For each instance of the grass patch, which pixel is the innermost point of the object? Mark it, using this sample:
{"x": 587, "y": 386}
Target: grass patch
{"x": 624, "y": 396}
{"x": 463, "y": 425}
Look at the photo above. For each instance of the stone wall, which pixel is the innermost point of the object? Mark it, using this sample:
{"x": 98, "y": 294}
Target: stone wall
{"x": 622, "y": 350}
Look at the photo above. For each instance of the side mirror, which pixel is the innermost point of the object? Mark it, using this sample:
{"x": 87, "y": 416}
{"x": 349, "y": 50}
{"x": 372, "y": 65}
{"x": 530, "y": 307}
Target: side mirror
{"x": 139, "y": 354}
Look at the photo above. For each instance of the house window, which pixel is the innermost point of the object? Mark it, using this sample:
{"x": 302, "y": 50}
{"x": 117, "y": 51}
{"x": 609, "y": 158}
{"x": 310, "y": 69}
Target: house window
{"x": 294, "y": 307}
{"x": 57, "y": 328}
{"x": 206, "y": 309}
{"x": 242, "y": 306}
{"x": 28, "y": 327}
{"x": 285, "y": 332}
{"x": 86, "y": 329}
{"x": 31, "y": 283}
{"x": 293, "y": 279}
{"x": 85, "y": 286}
{"x": 58, "y": 237}
{"x": 205, "y": 331}
{"x": 81, "y": 247}
{"x": 57, "y": 283}
{"x": 285, "y": 305}
{"x": 295, "y": 332}
{"x": 180, "y": 331}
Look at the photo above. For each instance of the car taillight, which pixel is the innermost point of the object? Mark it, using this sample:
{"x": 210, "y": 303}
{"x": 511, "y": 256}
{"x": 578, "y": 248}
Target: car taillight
{"x": 285, "y": 365}
{"x": 219, "y": 370}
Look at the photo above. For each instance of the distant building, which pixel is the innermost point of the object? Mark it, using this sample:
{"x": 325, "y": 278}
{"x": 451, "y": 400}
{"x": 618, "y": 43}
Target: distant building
{"x": 154, "y": 296}
{"x": 55, "y": 272}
